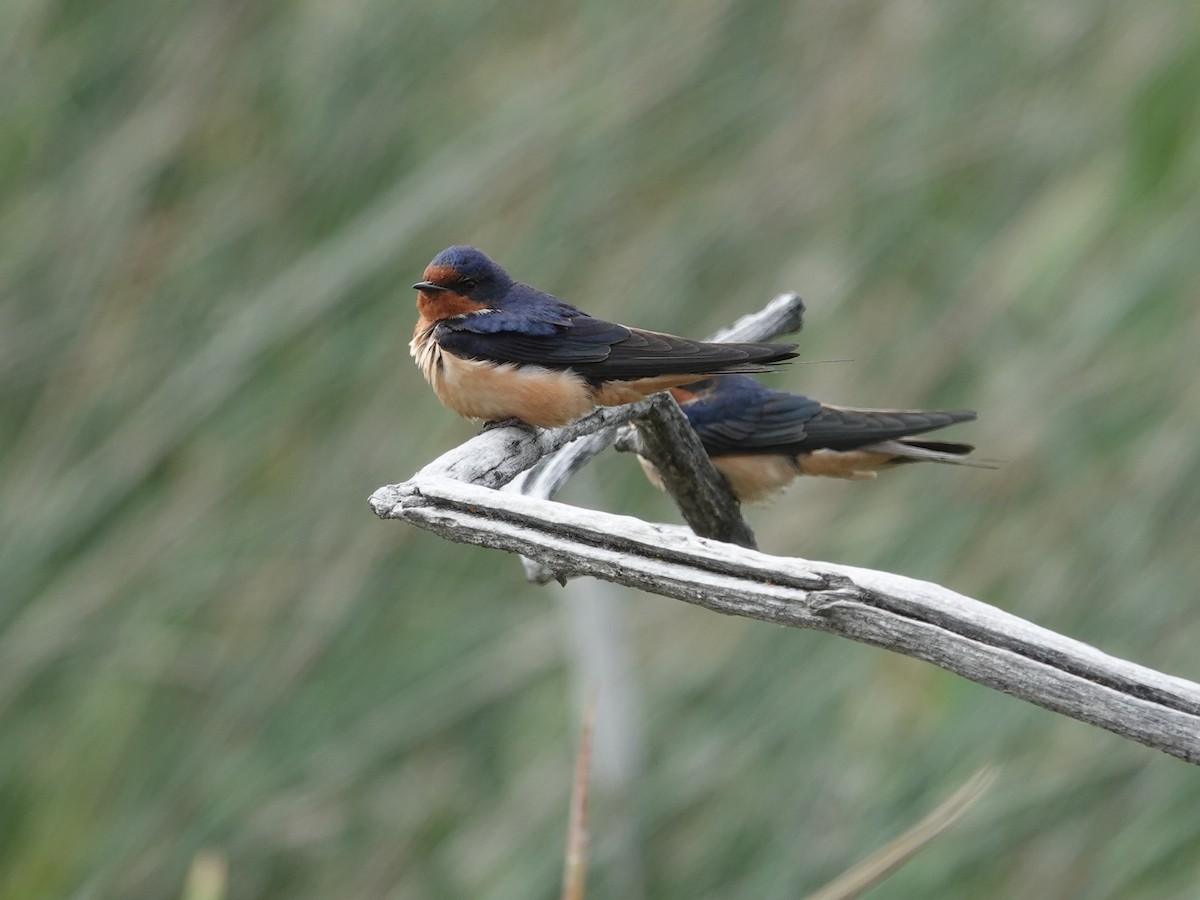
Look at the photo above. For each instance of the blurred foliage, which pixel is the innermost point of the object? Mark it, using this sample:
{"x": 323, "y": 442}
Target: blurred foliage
{"x": 211, "y": 215}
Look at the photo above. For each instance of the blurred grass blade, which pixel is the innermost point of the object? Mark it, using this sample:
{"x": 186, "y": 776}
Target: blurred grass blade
{"x": 575, "y": 867}
{"x": 211, "y": 216}
{"x": 208, "y": 877}
{"x": 891, "y": 856}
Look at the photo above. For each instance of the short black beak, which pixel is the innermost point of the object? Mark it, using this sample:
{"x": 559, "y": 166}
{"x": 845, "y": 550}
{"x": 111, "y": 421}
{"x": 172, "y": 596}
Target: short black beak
{"x": 428, "y": 286}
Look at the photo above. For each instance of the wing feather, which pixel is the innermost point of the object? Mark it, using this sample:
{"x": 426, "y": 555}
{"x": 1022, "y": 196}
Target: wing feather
{"x": 844, "y": 428}
{"x": 596, "y": 349}
{"x": 738, "y": 415}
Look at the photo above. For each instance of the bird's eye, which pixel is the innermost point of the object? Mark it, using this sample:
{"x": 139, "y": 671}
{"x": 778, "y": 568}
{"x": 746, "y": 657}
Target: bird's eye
{"x": 468, "y": 284}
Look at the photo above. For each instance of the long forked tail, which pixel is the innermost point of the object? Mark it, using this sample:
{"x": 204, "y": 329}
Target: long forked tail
{"x": 844, "y": 442}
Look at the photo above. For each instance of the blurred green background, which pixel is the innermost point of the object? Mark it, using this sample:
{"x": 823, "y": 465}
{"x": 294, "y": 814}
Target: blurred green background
{"x": 211, "y": 213}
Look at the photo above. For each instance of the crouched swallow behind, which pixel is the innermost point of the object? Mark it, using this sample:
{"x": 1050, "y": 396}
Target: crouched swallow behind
{"x": 495, "y": 349}
{"x": 761, "y": 439}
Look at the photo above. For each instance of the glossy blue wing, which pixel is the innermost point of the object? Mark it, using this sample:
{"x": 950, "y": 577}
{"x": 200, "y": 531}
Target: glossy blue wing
{"x": 739, "y": 415}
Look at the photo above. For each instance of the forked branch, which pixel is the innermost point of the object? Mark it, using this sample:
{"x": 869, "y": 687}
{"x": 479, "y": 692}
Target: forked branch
{"x": 456, "y": 497}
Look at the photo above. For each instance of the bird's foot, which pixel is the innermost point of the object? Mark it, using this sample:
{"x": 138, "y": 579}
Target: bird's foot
{"x": 510, "y": 422}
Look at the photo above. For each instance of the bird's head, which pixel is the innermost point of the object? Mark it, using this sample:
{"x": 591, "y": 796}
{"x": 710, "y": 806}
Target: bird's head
{"x": 460, "y": 280}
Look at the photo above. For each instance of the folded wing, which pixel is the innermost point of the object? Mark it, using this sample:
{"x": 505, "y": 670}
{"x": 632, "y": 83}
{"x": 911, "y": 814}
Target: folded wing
{"x": 599, "y": 350}
{"x": 739, "y": 415}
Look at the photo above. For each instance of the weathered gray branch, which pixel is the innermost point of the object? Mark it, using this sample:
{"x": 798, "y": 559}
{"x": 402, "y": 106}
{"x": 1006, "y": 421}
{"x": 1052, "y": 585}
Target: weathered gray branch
{"x": 701, "y": 493}
{"x": 915, "y": 618}
{"x": 454, "y": 497}
{"x": 497, "y": 456}
{"x": 783, "y": 315}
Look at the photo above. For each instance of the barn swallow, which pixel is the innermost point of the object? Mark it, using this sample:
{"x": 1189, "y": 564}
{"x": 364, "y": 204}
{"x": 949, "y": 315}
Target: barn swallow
{"x": 495, "y": 349}
{"x": 761, "y": 439}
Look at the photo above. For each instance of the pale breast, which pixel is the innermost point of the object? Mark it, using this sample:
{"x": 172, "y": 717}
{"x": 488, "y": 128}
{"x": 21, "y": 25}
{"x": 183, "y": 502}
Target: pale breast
{"x": 753, "y": 478}
{"x": 757, "y": 477}
{"x": 425, "y": 350}
{"x": 478, "y": 389}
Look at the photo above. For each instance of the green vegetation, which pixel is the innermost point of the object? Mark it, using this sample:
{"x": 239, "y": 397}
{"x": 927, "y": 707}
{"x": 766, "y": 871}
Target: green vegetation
{"x": 211, "y": 213}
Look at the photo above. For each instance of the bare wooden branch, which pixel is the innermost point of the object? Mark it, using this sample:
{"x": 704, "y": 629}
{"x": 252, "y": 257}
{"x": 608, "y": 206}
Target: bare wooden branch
{"x": 915, "y": 618}
{"x": 552, "y": 472}
{"x": 783, "y": 315}
{"x": 495, "y": 457}
{"x": 454, "y": 497}
{"x": 699, "y": 490}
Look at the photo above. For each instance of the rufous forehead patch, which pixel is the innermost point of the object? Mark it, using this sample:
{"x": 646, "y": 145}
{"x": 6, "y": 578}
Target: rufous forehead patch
{"x": 440, "y": 274}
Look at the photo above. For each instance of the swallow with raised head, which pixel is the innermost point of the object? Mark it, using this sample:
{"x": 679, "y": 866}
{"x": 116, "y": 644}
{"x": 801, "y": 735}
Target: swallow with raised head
{"x": 497, "y": 350}
{"x": 761, "y": 439}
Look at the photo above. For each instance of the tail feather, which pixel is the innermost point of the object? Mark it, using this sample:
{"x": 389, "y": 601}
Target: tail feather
{"x": 847, "y": 428}
{"x": 906, "y": 451}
